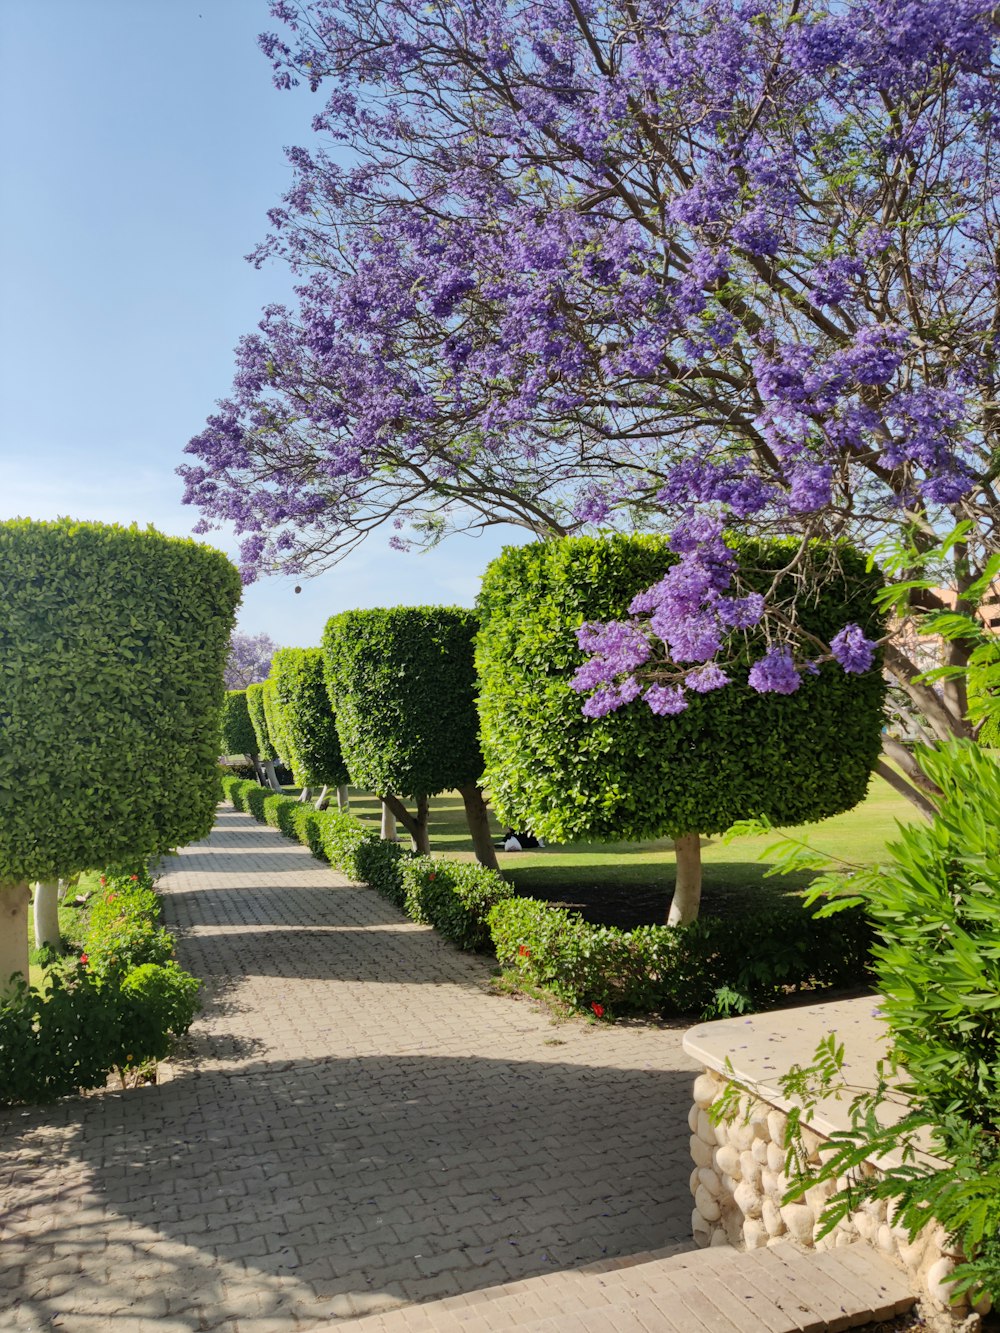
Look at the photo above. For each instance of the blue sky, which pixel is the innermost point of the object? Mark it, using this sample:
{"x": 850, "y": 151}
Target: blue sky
{"x": 142, "y": 147}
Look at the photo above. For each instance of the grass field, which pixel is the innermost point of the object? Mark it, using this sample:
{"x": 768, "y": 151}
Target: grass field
{"x": 592, "y": 876}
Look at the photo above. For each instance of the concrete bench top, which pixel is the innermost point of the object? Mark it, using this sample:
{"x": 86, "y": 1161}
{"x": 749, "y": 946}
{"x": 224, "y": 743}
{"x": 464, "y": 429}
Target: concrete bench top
{"x": 763, "y": 1047}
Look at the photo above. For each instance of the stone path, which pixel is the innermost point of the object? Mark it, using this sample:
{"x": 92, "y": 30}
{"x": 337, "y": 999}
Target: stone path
{"x": 360, "y": 1124}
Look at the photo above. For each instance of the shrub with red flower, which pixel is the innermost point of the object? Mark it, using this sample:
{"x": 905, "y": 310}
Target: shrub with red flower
{"x": 598, "y": 1009}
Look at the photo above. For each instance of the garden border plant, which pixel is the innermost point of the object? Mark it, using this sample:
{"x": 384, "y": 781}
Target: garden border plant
{"x": 116, "y": 1004}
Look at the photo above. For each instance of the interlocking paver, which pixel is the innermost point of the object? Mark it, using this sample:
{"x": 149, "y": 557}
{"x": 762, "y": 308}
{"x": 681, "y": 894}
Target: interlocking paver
{"x": 354, "y": 1097}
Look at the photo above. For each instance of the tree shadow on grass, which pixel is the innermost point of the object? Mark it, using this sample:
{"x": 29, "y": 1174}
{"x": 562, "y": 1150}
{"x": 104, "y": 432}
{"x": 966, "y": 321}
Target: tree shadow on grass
{"x": 730, "y": 889}
{"x": 336, "y": 1186}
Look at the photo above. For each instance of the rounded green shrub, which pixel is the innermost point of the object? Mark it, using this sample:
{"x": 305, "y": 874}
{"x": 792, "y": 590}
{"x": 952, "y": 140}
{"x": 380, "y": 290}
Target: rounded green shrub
{"x": 112, "y": 647}
{"x": 402, "y": 682}
{"x": 301, "y": 701}
{"x": 258, "y": 719}
{"x": 733, "y": 754}
{"x": 238, "y": 735}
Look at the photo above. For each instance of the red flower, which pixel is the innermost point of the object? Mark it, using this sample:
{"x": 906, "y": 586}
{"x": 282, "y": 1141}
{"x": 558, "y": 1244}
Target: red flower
{"x": 111, "y": 897}
{"x": 103, "y": 881}
{"x": 524, "y": 951}
{"x": 134, "y": 878}
{"x": 598, "y": 1009}
{"x": 432, "y": 875}
{"x": 84, "y": 959}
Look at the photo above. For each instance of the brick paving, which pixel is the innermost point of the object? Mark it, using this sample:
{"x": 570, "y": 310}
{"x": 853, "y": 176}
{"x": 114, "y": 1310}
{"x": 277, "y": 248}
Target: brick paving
{"x": 359, "y": 1123}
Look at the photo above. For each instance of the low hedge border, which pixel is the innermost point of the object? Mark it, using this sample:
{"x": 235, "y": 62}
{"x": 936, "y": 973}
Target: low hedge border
{"x": 711, "y": 968}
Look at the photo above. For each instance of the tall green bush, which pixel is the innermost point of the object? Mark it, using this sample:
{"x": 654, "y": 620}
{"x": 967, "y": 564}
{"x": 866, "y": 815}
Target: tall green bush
{"x": 112, "y": 647}
{"x": 301, "y": 701}
{"x": 258, "y": 720}
{"x": 403, "y": 686}
{"x": 633, "y": 775}
{"x": 237, "y": 730}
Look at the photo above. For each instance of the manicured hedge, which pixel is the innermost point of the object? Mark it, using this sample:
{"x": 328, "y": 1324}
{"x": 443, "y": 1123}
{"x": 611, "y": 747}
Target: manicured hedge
{"x": 733, "y": 754}
{"x": 301, "y": 701}
{"x": 238, "y": 735}
{"x": 255, "y": 707}
{"x": 453, "y": 897}
{"x": 403, "y": 686}
{"x": 712, "y": 966}
{"x": 112, "y": 647}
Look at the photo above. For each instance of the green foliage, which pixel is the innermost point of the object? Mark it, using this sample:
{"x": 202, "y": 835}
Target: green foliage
{"x": 255, "y": 707}
{"x": 118, "y": 1006}
{"x": 112, "y": 647}
{"x": 934, "y": 905}
{"x": 123, "y": 930}
{"x": 235, "y": 791}
{"x": 301, "y": 700}
{"x": 306, "y": 826}
{"x": 255, "y": 800}
{"x": 732, "y": 754}
{"x": 453, "y": 897}
{"x": 238, "y": 735}
{"x": 158, "y": 1004}
{"x": 274, "y": 719}
{"x": 403, "y": 686}
{"x": 706, "y": 968}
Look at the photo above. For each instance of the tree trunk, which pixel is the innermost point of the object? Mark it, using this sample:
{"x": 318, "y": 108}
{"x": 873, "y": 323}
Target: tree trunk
{"x": 303, "y": 796}
{"x": 344, "y": 798}
{"x": 687, "y": 886}
{"x": 323, "y": 799}
{"x": 257, "y": 769}
{"x": 388, "y": 824}
{"x": 479, "y": 826}
{"x": 415, "y": 825}
{"x": 47, "y": 915}
{"x": 272, "y": 777}
{"x": 13, "y": 932}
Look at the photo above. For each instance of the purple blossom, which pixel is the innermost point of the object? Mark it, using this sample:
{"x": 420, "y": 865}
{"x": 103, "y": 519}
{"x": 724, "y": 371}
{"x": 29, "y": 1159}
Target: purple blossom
{"x": 706, "y": 678}
{"x": 774, "y": 673}
{"x": 852, "y": 650}
{"x": 665, "y": 700}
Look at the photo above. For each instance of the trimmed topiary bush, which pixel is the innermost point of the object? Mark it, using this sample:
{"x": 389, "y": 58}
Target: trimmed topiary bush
{"x": 258, "y": 718}
{"x": 112, "y": 648}
{"x": 301, "y": 700}
{"x": 733, "y": 754}
{"x": 236, "y": 728}
{"x": 403, "y": 686}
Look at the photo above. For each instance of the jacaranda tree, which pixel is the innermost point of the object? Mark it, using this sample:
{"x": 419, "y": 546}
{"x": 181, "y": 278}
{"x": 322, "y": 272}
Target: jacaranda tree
{"x": 706, "y": 263}
{"x": 249, "y": 660}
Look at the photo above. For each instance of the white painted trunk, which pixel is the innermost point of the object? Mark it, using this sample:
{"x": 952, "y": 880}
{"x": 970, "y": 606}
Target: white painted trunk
{"x": 687, "y": 887}
{"x": 46, "y": 904}
{"x": 13, "y": 931}
{"x": 303, "y": 796}
{"x": 388, "y": 824}
{"x": 322, "y": 799}
{"x": 343, "y": 798}
{"x": 272, "y": 777}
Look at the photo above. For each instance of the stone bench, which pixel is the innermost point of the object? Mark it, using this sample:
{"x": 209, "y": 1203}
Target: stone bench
{"x": 738, "y": 1179}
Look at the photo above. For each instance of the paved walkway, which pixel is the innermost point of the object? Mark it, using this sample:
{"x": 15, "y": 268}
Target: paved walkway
{"x": 360, "y": 1123}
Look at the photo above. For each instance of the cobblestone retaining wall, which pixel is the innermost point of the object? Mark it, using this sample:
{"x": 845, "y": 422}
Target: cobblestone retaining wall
{"x": 739, "y": 1180}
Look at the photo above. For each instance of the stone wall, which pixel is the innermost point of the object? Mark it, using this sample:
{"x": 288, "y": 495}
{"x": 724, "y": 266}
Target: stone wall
{"x": 739, "y": 1180}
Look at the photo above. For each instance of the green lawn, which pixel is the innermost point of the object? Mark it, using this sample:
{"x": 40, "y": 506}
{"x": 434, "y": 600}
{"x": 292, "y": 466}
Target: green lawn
{"x": 641, "y": 873}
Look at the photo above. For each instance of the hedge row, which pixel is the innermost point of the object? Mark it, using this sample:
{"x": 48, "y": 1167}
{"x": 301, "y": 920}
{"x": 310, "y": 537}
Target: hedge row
{"x": 714, "y": 966}
{"x": 117, "y": 1004}
{"x": 453, "y": 897}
